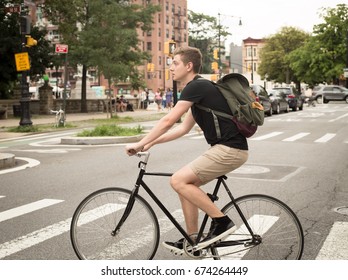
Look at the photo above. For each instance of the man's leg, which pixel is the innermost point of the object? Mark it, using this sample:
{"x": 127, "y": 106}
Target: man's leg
{"x": 187, "y": 184}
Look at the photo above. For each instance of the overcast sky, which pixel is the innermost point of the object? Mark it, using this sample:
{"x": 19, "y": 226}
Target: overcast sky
{"x": 261, "y": 18}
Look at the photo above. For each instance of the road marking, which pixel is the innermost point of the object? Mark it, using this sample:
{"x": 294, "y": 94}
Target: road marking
{"x": 49, "y": 151}
{"x": 340, "y": 117}
{"x": 134, "y": 243}
{"x": 31, "y": 163}
{"x": 42, "y": 136}
{"x": 335, "y": 246}
{"x": 296, "y": 137}
{"x": 267, "y": 136}
{"x": 261, "y": 222}
{"x": 327, "y": 137}
{"x": 41, "y": 235}
{"x": 24, "y": 209}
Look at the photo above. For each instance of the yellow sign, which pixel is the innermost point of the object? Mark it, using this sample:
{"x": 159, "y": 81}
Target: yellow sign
{"x": 22, "y": 61}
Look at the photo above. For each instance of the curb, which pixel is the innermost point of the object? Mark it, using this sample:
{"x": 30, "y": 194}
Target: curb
{"x": 71, "y": 140}
{"x": 7, "y": 160}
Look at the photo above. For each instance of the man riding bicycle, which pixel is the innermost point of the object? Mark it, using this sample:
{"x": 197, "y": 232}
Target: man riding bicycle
{"x": 225, "y": 154}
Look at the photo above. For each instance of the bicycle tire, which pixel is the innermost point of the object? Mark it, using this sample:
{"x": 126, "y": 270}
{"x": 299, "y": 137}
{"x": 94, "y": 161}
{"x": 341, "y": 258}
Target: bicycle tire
{"x": 271, "y": 219}
{"x": 96, "y": 217}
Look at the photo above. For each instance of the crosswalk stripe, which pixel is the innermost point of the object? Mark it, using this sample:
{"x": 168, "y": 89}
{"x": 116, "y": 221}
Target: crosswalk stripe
{"x": 24, "y": 209}
{"x": 335, "y": 246}
{"x": 267, "y": 136}
{"x": 296, "y": 137}
{"x": 338, "y": 118}
{"x": 266, "y": 223}
{"x": 134, "y": 244}
{"x": 327, "y": 137}
{"x": 41, "y": 235}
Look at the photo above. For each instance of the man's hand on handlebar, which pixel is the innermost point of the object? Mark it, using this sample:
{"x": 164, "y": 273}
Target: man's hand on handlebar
{"x": 132, "y": 149}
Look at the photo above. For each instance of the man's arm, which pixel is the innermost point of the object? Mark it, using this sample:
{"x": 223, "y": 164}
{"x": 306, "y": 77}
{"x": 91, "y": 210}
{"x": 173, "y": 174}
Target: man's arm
{"x": 163, "y": 125}
{"x": 174, "y": 133}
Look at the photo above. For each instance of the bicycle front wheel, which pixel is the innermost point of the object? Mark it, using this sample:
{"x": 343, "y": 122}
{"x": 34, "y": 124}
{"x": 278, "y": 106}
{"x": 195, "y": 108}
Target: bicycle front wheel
{"x": 278, "y": 234}
{"x": 95, "y": 219}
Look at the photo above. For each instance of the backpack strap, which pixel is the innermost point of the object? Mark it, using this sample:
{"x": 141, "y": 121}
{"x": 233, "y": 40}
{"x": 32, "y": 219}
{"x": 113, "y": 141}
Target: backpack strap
{"x": 215, "y": 114}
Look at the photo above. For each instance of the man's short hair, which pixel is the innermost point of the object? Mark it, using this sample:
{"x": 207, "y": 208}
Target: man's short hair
{"x": 190, "y": 54}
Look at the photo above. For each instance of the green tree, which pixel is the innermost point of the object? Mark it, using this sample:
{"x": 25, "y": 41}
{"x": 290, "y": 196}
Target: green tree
{"x": 204, "y": 34}
{"x": 323, "y": 57}
{"x": 102, "y": 34}
{"x": 275, "y": 55}
{"x": 10, "y": 43}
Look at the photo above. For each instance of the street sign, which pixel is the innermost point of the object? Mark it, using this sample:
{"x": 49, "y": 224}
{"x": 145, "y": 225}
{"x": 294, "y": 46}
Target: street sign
{"x": 22, "y": 61}
{"x": 61, "y": 48}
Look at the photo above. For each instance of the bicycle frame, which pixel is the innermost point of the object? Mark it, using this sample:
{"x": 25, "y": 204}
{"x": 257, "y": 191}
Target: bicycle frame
{"x": 140, "y": 183}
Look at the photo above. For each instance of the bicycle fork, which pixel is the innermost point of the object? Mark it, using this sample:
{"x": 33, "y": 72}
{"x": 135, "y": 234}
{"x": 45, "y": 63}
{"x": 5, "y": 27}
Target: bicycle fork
{"x": 127, "y": 210}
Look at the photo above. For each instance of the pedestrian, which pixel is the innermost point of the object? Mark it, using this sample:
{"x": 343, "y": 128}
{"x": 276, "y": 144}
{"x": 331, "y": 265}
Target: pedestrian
{"x": 223, "y": 156}
{"x": 169, "y": 99}
{"x": 158, "y": 99}
{"x": 121, "y": 104}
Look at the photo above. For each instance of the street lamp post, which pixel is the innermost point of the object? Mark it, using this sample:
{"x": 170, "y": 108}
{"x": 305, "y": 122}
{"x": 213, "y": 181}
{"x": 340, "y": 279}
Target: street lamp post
{"x": 219, "y": 39}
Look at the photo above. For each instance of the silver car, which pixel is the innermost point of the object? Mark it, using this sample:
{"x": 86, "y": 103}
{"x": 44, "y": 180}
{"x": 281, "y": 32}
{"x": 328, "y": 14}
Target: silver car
{"x": 330, "y": 93}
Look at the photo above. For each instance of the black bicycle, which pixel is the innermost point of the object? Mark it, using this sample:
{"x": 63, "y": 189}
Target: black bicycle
{"x": 119, "y": 224}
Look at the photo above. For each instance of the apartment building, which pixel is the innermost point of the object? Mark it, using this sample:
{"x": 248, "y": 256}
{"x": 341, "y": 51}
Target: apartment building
{"x": 170, "y": 24}
{"x": 251, "y": 59}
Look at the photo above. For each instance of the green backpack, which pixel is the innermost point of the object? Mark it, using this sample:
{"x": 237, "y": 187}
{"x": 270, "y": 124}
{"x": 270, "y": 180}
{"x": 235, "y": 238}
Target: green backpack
{"x": 247, "y": 113}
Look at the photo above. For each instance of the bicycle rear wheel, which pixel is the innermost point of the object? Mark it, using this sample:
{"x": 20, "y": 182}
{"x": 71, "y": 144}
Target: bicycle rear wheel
{"x": 97, "y": 216}
{"x": 271, "y": 220}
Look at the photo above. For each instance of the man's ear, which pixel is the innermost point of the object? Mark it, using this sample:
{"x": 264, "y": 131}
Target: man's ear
{"x": 189, "y": 66}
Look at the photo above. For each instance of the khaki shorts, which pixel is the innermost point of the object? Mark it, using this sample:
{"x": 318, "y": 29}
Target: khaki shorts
{"x": 217, "y": 161}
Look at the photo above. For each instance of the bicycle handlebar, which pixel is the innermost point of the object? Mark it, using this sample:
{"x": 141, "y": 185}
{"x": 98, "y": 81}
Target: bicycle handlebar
{"x": 146, "y": 155}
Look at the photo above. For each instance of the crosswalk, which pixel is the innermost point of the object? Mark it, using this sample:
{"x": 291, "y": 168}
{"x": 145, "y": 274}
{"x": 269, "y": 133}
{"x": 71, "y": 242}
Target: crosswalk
{"x": 335, "y": 246}
{"x": 285, "y": 137}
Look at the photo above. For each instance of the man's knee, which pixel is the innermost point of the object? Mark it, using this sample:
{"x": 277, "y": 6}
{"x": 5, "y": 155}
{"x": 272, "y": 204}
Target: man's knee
{"x": 182, "y": 178}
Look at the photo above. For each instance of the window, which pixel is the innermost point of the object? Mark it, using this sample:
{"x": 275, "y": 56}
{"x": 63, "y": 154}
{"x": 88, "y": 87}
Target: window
{"x": 149, "y": 46}
{"x": 159, "y": 32}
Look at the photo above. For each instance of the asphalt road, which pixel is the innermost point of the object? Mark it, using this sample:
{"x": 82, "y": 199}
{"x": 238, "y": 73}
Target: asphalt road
{"x": 299, "y": 157}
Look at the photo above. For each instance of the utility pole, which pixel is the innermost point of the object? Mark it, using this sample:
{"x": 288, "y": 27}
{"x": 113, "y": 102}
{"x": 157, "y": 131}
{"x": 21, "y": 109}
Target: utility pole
{"x": 25, "y": 27}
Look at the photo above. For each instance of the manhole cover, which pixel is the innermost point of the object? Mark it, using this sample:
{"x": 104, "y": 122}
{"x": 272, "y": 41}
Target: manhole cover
{"x": 342, "y": 210}
{"x": 249, "y": 169}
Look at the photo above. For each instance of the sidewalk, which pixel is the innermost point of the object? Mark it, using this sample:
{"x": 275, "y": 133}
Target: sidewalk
{"x": 50, "y": 119}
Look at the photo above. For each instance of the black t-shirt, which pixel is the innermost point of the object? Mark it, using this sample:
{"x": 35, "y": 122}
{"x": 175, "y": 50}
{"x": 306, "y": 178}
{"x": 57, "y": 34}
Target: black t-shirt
{"x": 202, "y": 91}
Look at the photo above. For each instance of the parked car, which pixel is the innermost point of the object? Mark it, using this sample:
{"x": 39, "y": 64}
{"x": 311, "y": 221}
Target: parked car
{"x": 293, "y": 97}
{"x": 262, "y": 97}
{"x": 278, "y": 101}
{"x": 330, "y": 93}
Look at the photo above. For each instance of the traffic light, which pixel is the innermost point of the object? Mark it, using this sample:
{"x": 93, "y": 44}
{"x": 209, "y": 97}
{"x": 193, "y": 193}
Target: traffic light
{"x": 216, "y": 54}
{"x": 167, "y": 74}
{"x": 25, "y": 24}
{"x": 169, "y": 48}
{"x": 30, "y": 41}
{"x": 214, "y": 65}
{"x": 150, "y": 67}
